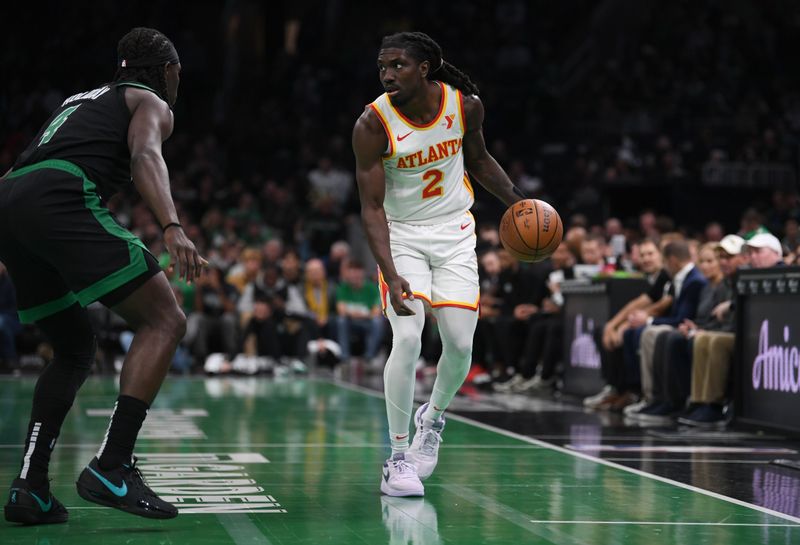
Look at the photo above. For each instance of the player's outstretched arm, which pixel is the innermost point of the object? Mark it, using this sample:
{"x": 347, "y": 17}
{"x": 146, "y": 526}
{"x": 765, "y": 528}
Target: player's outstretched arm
{"x": 151, "y": 124}
{"x": 480, "y": 164}
{"x": 369, "y": 142}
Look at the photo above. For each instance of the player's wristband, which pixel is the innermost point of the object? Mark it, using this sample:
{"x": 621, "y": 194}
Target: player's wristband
{"x": 172, "y": 224}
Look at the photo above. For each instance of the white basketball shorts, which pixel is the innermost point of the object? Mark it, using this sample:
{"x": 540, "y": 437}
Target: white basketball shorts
{"x": 438, "y": 261}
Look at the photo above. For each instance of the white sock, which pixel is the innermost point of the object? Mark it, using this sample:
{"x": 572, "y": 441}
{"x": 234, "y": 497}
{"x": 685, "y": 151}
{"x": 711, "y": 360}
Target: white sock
{"x": 456, "y": 328}
{"x": 431, "y": 415}
{"x": 399, "y": 374}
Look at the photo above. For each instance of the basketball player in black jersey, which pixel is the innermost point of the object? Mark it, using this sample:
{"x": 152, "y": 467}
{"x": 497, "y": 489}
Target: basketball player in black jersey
{"x": 64, "y": 250}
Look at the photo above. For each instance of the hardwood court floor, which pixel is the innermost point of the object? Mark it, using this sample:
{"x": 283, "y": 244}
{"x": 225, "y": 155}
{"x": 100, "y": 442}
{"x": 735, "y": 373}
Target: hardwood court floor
{"x": 298, "y": 461}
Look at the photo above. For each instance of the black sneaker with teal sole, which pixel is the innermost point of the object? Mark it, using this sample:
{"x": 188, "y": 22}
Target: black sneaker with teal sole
{"x": 28, "y": 506}
{"x": 122, "y": 488}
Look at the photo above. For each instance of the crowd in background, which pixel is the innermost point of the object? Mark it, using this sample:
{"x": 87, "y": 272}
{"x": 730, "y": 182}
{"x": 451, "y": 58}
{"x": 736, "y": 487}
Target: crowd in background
{"x": 268, "y": 302}
{"x": 600, "y": 108}
{"x": 667, "y": 354}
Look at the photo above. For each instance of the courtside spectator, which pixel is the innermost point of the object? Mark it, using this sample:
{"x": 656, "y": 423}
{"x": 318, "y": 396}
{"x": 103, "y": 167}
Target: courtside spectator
{"x": 620, "y": 389}
{"x": 708, "y": 383}
{"x": 672, "y": 349}
{"x": 639, "y": 340}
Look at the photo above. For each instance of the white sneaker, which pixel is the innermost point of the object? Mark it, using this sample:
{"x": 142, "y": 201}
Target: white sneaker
{"x": 508, "y": 385}
{"x": 481, "y": 379}
{"x": 294, "y": 365}
{"x": 424, "y": 451}
{"x": 400, "y": 478}
{"x": 633, "y": 409}
{"x": 536, "y": 383}
{"x": 600, "y": 397}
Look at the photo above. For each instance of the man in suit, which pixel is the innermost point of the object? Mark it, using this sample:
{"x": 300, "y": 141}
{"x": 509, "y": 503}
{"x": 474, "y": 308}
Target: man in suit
{"x": 686, "y": 284}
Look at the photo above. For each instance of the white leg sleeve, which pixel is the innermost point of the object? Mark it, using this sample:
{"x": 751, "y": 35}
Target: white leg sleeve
{"x": 399, "y": 373}
{"x": 456, "y": 327}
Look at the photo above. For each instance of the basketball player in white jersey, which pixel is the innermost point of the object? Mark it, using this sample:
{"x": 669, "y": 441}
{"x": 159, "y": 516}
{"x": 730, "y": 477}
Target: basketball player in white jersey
{"x": 414, "y": 148}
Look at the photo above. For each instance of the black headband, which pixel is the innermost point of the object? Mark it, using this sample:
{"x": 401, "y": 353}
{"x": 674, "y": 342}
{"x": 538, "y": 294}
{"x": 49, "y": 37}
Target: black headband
{"x": 169, "y": 56}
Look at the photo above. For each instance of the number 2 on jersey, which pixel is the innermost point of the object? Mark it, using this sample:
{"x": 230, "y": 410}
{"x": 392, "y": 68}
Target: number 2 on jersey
{"x": 433, "y": 189}
{"x": 51, "y": 129}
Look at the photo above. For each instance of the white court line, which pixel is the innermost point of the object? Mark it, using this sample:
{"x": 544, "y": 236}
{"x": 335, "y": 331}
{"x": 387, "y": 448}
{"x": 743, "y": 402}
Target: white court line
{"x": 166, "y": 444}
{"x": 686, "y": 449}
{"x": 688, "y": 460}
{"x": 657, "y": 523}
{"x": 513, "y": 516}
{"x": 623, "y": 437}
{"x": 583, "y": 456}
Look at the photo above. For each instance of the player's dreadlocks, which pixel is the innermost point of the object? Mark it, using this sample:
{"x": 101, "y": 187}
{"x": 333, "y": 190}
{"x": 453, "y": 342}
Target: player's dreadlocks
{"x": 141, "y": 56}
{"x": 422, "y": 47}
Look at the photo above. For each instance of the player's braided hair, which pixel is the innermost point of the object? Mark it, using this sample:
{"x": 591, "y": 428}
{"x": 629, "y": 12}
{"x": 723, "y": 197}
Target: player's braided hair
{"x": 422, "y": 47}
{"x": 142, "y": 43}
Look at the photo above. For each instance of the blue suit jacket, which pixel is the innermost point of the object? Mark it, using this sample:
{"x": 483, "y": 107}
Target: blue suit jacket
{"x": 688, "y": 300}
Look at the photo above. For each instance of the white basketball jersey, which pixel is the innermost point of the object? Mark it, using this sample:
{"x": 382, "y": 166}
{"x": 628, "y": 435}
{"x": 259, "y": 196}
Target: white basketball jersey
{"x": 426, "y": 182}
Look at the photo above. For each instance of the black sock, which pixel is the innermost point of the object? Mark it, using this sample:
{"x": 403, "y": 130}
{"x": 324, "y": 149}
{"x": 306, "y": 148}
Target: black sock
{"x": 39, "y": 444}
{"x": 52, "y": 399}
{"x": 126, "y": 421}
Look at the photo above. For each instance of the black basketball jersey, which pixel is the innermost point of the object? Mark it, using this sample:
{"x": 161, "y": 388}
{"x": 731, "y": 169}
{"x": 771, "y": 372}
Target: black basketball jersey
{"x": 90, "y": 130}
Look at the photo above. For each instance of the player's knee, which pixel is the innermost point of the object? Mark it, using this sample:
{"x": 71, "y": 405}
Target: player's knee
{"x": 171, "y": 320}
{"x": 71, "y": 366}
{"x": 74, "y": 348}
{"x": 178, "y": 323}
{"x": 77, "y": 355}
{"x": 461, "y": 349}
{"x": 407, "y": 342}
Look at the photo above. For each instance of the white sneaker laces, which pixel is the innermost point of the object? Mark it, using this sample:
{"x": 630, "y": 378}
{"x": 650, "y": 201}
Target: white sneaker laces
{"x": 430, "y": 441}
{"x": 402, "y": 466}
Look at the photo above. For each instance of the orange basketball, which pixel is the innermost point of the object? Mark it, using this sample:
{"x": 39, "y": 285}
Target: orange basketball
{"x": 531, "y": 230}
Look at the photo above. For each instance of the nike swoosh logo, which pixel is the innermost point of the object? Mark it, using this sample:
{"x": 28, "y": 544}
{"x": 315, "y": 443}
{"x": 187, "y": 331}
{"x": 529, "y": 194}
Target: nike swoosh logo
{"x": 386, "y": 475}
{"x": 116, "y": 490}
{"x": 399, "y": 138}
{"x": 44, "y": 506}
{"x": 462, "y": 228}
{"x": 401, "y": 436}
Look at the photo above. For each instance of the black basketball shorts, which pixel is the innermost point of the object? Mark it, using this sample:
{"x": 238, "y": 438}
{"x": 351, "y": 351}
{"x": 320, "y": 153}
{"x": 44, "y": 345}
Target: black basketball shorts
{"x": 62, "y": 246}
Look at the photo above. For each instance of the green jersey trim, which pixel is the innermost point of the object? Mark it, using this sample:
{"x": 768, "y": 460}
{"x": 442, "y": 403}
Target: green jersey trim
{"x": 34, "y": 314}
